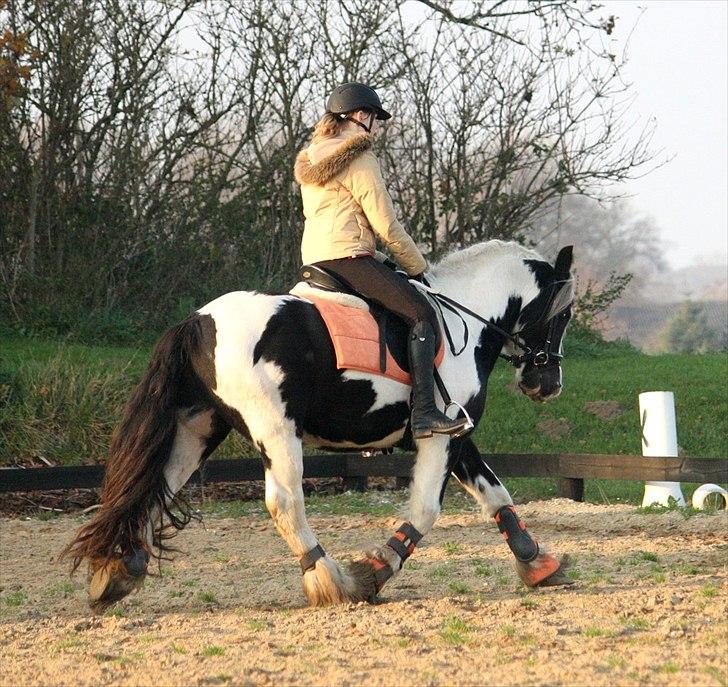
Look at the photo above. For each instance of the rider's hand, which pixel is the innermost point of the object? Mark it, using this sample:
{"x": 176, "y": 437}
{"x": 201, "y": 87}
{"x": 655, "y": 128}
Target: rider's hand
{"x": 421, "y": 278}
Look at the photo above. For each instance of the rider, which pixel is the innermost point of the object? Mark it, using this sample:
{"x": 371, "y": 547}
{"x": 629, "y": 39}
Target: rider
{"x": 346, "y": 204}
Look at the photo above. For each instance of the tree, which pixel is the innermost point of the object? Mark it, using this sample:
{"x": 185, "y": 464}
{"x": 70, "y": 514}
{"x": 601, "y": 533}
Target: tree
{"x": 148, "y": 147}
{"x": 688, "y": 332}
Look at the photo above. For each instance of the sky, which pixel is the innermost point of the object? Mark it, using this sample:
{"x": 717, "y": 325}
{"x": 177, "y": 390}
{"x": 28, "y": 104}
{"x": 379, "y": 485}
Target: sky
{"x": 677, "y": 63}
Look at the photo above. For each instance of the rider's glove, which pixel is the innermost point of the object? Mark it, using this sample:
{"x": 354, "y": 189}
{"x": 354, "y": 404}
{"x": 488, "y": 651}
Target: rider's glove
{"x": 421, "y": 278}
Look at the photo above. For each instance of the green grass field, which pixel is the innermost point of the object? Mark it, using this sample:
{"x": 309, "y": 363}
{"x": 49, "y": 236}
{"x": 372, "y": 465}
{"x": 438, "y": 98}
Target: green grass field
{"x": 61, "y": 401}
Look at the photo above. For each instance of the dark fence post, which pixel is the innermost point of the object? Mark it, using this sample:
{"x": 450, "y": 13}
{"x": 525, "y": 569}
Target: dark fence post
{"x": 571, "y": 488}
{"x": 401, "y": 482}
{"x": 356, "y": 483}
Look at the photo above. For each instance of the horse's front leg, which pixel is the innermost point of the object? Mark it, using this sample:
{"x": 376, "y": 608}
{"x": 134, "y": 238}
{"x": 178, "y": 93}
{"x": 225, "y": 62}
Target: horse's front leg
{"x": 324, "y": 582}
{"x": 534, "y": 565}
{"x": 429, "y": 477}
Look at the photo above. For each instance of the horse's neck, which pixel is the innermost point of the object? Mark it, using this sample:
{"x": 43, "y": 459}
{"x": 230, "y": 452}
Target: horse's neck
{"x": 486, "y": 288}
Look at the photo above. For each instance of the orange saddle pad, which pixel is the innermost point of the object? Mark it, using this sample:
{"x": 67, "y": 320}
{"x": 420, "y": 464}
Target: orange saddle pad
{"x": 355, "y": 335}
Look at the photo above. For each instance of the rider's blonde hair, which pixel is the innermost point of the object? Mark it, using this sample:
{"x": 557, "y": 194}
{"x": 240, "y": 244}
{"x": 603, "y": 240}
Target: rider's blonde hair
{"x": 329, "y": 125}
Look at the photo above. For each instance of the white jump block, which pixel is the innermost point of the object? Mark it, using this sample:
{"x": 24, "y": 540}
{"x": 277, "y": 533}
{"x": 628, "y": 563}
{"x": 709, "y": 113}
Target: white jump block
{"x": 659, "y": 438}
{"x": 705, "y": 490}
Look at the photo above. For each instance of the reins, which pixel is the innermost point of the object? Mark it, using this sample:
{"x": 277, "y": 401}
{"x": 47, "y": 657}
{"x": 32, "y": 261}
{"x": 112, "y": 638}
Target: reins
{"x": 538, "y": 358}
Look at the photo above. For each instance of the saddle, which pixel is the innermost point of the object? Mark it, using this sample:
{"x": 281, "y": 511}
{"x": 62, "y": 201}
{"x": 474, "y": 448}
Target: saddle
{"x": 365, "y": 336}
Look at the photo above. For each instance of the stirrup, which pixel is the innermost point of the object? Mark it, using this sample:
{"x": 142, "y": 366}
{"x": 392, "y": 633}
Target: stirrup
{"x": 427, "y": 433}
{"x": 470, "y": 424}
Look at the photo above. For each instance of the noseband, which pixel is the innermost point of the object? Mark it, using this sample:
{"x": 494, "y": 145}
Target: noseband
{"x": 548, "y": 354}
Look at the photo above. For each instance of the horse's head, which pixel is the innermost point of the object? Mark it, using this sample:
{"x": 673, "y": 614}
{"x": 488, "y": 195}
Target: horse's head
{"x": 540, "y": 329}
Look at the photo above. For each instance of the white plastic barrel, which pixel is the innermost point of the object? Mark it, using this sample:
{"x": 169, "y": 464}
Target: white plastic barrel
{"x": 659, "y": 438}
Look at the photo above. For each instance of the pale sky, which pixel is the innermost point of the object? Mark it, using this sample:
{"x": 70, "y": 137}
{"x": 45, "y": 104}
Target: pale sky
{"x": 677, "y": 62}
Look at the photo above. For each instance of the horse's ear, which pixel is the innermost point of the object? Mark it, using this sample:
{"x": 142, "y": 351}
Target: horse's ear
{"x": 562, "y": 267}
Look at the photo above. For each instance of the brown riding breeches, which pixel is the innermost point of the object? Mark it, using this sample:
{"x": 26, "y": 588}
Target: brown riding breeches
{"x": 383, "y": 286}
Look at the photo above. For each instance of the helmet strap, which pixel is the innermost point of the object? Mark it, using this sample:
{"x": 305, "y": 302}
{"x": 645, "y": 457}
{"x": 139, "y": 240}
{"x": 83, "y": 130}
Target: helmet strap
{"x": 367, "y": 128}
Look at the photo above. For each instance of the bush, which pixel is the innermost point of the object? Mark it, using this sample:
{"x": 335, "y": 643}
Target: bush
{"x": 62, "y": 401}
{"x": 61, "y": 409}
{"x": 589, "y": 310}
{"x": 688, "y": 332}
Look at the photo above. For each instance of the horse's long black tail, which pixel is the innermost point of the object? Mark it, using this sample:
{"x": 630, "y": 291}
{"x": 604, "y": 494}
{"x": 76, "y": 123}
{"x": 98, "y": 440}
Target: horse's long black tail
{"x": 140, "y": 446}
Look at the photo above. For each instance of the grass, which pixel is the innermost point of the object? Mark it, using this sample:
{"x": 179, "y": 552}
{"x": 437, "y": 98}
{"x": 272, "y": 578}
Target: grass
{"x": 673, "y": 507}
{"x": 61, "y": 400}
{"x": 451, "y": 548}
{"x": 701, "y": 405}
{"x": 459, "y": 588}
{"x": 213, "y": 650}
{"x": 73, "y": 641}
{"x": 64, "y": 588}
{"x": 508, "y": 630}
{"x": 637, "y": 623}
{"x": 596, "y": 632}
{"x": 441, "y": 572}
{"x": 482, "y": 569}
{"x": 709, "y": 591}
{"x": 455, "y": 630}
{"x": 257, "y": 625}
{"x": 15, "y": 599}
{"x": 717, "y": 674}
{"x": 207, "y": 597}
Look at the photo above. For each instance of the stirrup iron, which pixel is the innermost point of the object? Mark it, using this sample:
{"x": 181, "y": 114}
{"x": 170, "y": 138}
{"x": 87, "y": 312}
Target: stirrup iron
{"x": 470, "y": 424}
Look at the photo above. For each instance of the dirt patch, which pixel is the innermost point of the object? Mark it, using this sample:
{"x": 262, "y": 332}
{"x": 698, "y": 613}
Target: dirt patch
{"x": 604, "y": 410}
{"x": 555, "y": 428}
{"x": 648, "y": 607}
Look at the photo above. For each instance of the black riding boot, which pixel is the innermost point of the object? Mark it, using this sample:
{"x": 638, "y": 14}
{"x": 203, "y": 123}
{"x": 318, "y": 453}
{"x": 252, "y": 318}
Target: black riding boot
{"x": 426, "y": 418}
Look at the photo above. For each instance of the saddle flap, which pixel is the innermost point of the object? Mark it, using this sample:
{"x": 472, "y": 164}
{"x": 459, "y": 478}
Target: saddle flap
{"x": 355, "y": 335}
{"x": 323, "y": 279}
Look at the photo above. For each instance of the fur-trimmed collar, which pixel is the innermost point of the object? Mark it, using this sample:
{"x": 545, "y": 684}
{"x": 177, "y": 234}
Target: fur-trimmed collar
{"x": 321, "y": 172}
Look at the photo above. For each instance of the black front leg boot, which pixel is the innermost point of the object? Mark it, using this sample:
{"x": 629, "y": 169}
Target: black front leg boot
{"x": 427, "y": 419}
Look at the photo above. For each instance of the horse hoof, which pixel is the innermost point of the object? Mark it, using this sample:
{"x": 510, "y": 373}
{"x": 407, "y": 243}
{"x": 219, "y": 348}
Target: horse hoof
{"x": 544, "y": 571}
{"x": 111, "y": 583}
{"x": 364, "y": 573}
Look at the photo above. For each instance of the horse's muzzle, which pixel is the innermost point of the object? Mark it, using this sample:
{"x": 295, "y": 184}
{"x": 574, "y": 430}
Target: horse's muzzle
{"x": 540, "y": 383}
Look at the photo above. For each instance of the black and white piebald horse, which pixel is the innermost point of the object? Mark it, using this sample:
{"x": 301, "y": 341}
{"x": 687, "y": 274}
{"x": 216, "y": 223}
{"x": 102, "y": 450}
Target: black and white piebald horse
{"x": 264, "y": 365}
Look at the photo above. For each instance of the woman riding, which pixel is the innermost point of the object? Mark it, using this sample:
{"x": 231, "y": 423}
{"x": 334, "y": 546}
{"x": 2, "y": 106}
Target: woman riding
{"x": 346, "y": 205}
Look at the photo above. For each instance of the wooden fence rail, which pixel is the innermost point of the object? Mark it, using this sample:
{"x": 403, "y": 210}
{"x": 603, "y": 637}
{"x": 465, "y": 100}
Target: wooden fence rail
{"x": 570, "y": 469}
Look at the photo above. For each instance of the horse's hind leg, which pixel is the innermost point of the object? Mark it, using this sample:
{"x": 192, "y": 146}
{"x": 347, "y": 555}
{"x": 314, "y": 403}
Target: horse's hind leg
{"x": 534, "y": 565}
{"x": 198, "y": 433}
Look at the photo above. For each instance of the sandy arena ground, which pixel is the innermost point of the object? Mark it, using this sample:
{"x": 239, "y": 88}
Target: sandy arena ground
{"x": 649, "y": 607}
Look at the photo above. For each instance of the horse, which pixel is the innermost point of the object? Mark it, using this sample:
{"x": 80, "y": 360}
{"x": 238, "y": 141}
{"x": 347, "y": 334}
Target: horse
{"x": 264, "y": 365}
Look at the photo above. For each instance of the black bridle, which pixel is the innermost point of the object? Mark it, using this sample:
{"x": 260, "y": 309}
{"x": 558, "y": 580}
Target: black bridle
{"x": 549, "y": 353}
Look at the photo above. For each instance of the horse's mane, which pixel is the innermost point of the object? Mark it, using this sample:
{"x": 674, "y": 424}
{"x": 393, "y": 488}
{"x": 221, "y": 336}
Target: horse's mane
{"x": 459, "y": 260}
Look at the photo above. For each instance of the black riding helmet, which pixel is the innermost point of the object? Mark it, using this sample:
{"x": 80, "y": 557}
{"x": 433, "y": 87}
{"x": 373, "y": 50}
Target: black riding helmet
{"x": 350, "y": 97}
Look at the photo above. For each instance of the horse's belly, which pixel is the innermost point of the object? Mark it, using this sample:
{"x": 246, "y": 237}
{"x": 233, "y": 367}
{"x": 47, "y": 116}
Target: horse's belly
{"x": 385, "y": 442}
{"x": 360, "y": 411}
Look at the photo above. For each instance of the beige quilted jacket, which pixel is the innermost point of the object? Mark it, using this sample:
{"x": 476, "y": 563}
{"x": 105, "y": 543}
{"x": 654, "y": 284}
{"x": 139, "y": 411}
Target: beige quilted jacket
{"x": 346, "y": 204}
